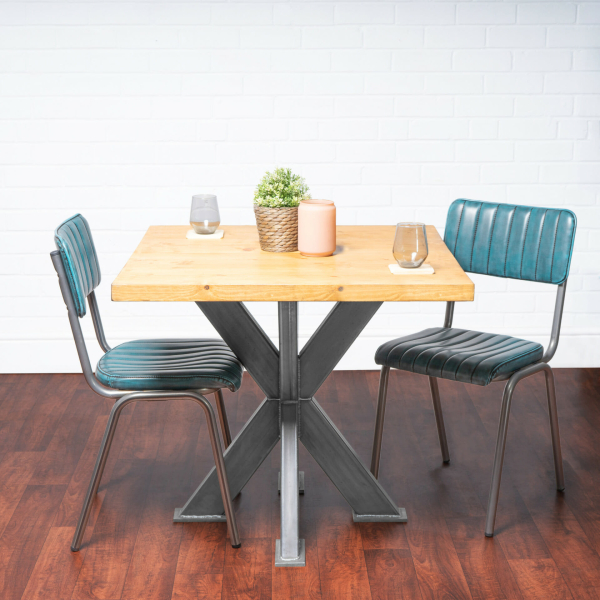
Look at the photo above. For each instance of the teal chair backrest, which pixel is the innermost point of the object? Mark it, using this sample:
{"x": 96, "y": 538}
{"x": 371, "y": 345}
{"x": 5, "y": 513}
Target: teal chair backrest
{"x": 74, "y": 241}
{"x": 508, "y": 240}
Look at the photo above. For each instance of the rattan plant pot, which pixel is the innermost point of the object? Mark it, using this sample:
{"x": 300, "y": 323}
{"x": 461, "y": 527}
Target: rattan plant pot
{"x": 277, "y": 228}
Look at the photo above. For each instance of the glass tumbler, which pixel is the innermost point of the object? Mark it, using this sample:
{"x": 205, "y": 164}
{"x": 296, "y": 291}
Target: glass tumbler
{"x": 204, "y": 217}
{"x": 410, "y": 245}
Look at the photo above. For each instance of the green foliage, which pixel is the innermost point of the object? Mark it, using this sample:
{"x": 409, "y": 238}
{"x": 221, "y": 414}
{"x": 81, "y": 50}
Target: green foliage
{"x": 281, "y": 189}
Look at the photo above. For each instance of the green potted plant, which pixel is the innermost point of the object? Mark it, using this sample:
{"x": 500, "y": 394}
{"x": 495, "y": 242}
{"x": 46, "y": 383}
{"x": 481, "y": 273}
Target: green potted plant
{"x": 276, "y": 201}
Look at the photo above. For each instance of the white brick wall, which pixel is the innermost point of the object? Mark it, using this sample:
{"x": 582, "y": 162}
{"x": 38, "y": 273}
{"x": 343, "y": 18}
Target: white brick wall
{"x": 123, "y": 110}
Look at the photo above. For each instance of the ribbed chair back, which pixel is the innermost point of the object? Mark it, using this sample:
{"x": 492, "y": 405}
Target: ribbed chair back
{"x": 74, "y": 241}
{"x": 508, "y": 240}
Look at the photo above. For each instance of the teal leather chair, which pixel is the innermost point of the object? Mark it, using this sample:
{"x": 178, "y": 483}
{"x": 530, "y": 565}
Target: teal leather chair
{"x": 150, "y": 370}
{"x": 501, "y": 240}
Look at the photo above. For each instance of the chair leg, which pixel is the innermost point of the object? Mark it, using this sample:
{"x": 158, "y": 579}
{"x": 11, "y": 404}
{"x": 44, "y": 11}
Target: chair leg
{"x": 378, "y": 436}
{"x": 220, "y": 467}
{"x": 553, "y": 413}
{"x": 439, "y": 418}
{"x": 499, "y": 455}
{"x": 224, "y": 422}
{"x": 503, "y": 430}
{"x": 109, "y": 434}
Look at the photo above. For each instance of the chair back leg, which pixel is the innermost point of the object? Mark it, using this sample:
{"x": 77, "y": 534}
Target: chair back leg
{"x": 225, "y": 431}
{"x": 379, "y": 419}
{"x": 109, "y": 433}
{"x": 553, "y": 413}
{"x": 439, "y": 418}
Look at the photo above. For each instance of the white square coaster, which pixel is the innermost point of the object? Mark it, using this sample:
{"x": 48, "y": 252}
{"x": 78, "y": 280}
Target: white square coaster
{"x": 424, "y": 269}
{"x": 217, "y": 235}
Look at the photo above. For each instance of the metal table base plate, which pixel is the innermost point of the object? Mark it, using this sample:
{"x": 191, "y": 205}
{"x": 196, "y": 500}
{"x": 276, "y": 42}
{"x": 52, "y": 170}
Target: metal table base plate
{"x": 179, "y": 518}
{"x": 399, "y": 518}
{"x": 294, "y": 562}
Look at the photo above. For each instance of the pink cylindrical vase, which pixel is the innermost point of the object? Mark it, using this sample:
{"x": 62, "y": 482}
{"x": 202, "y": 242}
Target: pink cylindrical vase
{"x": 316, "y": 227}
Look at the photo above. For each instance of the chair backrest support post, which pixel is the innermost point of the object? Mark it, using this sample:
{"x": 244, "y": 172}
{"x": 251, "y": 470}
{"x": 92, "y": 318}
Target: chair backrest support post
{"x": 82, "y": 352}
{"x": 556, "y": 322}
{"x": 98, "y": 328}
{"x": 449, "y": 315}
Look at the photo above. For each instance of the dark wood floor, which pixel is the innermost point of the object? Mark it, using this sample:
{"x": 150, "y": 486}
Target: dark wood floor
{"x": 547, "y": 544}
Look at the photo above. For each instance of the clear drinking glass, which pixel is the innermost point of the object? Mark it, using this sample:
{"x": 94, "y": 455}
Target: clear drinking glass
{"x": 205, "y": 217}
{"x": 410, "y": 245}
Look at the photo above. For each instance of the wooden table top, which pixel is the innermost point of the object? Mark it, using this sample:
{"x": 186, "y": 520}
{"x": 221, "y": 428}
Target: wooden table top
{"x": 167, "y": 267}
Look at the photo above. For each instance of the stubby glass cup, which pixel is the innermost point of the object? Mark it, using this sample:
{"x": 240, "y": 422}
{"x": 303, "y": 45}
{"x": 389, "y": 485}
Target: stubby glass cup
{"x": 204, "y": 217}
{"x": 410, "y": 245}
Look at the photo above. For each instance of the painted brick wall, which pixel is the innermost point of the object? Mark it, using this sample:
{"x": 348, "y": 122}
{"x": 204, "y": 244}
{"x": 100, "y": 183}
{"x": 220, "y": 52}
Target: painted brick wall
{"x": 123, "y": 110}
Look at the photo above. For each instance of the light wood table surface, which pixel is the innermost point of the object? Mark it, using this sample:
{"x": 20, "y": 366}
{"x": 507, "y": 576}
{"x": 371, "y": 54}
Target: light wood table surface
{"x": 167, "y": 267}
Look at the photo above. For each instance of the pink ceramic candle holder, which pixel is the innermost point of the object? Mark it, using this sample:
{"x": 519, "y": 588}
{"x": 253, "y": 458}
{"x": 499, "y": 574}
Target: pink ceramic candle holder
{"x": 316, "y": 227}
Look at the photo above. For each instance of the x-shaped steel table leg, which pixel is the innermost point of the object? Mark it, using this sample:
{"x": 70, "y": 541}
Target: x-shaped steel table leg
{"x": 290, "y": 412}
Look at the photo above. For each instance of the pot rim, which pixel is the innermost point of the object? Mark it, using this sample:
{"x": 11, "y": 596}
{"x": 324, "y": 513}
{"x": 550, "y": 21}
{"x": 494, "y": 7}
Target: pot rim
{"x": 257, "y": 206}
{"x": 317, "y": 202}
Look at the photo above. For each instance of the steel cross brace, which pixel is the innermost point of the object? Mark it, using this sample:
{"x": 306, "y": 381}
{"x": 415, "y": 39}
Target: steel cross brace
{"x": 290, "y": 412}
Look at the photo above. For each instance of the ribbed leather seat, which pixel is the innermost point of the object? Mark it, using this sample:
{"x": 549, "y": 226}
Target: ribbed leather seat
{"x": 170, "y": 364}
{"x": 459, "y": 354}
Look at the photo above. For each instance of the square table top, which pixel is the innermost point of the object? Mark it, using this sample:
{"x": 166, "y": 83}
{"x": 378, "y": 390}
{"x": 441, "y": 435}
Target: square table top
{"x": 167, "y": 267}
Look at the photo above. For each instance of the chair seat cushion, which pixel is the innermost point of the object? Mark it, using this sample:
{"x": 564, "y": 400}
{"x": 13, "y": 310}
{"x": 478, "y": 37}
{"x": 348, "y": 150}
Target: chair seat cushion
{"x": 170, "y": 364}
{"x": 459, "y": 354}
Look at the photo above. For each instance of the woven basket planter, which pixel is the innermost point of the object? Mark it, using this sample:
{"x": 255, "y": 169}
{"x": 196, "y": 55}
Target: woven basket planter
{"x": 277, "y": 228}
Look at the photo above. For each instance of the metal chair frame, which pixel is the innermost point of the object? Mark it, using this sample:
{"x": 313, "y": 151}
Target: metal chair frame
{"x": 511, "y": 382}
{"x": 122, "y": 398}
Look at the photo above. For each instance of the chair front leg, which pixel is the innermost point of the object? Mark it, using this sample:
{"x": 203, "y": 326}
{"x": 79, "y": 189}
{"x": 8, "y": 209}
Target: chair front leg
{"x": 379, "y": 419}
{"x": 219, "y": 464}
{"x": 553, "y": 414}
{"x": 490, "y": 519}
{"x": 224, "y": 422}
{"x": 439, "y": 418}
{"x": 503, "y": 430}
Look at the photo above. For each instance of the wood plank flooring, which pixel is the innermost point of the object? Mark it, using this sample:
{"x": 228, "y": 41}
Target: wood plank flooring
{"x": 547, "y": 544}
